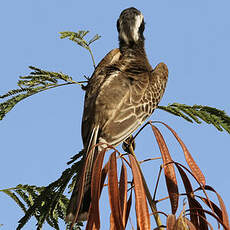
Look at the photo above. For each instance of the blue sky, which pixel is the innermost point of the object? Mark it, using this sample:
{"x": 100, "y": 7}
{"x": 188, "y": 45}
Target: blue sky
{"x": 41, "y": 133}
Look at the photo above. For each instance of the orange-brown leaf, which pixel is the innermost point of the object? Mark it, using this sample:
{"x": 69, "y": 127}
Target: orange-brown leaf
{"x": 104, "y": 173}
{"x": 94, "y": 215}
{"x": 189, "y": 191}
{"x": 123, "y": 191}
{"x": 199, "y": 211}
{"x": 189, "y": 159}
{"x": 112, "y": 224}
{"x": 224, "y": 211}
{"x": 186, "y": 181}
{"x": 217, "y": 218}
{"x": 114, "y": 193}
{"x": 222, "y": 206}
{"x": 143, "y": 218}
{"x": 169, "y": 170}
{"x": 213, "y": 206}
{"x": 129, "y": 203}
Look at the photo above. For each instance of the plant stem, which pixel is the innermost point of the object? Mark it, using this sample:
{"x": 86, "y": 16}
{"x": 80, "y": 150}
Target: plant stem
{"x": 91, "y": 54}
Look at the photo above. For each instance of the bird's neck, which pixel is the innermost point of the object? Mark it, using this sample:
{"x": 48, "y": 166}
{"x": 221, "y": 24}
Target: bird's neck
{"x": 132, "y": 48}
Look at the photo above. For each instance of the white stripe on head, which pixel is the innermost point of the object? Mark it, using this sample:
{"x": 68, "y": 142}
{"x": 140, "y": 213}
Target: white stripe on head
{"x": 138, "y": 21}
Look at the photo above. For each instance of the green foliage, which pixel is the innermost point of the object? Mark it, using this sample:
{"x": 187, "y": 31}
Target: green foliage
{"x": 79, "y": 38}
{"x": 41, "y": 80}
{"x": 44, "y": 203}
{"x": 38, "y": 81}
{"x": 208, "y": 114}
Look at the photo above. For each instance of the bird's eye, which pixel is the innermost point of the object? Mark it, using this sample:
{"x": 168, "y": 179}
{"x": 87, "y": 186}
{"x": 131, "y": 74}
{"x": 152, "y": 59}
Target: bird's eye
{"x": 118, "y": 26}
{"x": 142, "y": 27}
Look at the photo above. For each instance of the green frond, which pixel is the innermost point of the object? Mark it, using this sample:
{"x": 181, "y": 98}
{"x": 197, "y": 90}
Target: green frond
{"x": 38, "y": 81}
{"x": 174, "y": 111}
{"x": 26, "y": 198}
{"x": 28, "y": 193}
{"x": 191, "y": 113}
{"x": 15, "y": 91}
{"x": 76, "y": 37}
{"x": 6, "y": 106}
{"x": 72, "y": 183}
{"x": 79, "y": 38}
{"x": 15, "y": 198}
{"x": 52, "y": 220}
{"x": 61, "y": 206}
{"x": 208, "y": 114}
{"x": 42, "y": 217}
{"x": 95, "y": 38}
{"x": 46, "y": 204}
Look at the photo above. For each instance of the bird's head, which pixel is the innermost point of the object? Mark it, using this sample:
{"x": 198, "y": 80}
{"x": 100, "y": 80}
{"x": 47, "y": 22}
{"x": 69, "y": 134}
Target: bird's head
{"x": 130, "y": 26}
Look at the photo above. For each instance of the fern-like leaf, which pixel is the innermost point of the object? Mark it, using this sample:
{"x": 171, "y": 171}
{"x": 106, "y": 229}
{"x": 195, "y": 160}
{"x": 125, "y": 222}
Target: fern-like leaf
{"x": 38, "y": 81}
{"x": 44, "y": 203}
{"x": 15, "y": 198}
{"x": 79, "y": 38}
{"x": 208, "y": 114}
{"x": 95, "y": 38}
{"x": 49, "y": 203}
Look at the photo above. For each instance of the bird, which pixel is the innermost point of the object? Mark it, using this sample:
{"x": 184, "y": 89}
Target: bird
{"x": 121, "y": 94}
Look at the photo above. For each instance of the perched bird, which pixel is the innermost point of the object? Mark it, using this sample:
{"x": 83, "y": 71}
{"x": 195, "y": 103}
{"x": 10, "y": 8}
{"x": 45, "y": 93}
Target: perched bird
{"x": 122, "y": 93}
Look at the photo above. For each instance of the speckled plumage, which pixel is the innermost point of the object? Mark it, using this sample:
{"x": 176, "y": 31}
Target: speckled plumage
{"x": 122, "y": 93}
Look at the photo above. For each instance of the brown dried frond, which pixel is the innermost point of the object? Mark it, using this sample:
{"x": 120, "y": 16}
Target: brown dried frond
{"x": 143, "y": 217}
{"x": 118, "y": 191}
{"x": 169, "y": 170}
{"x": 114, "y": 196}
{"x": 188, "y": 157}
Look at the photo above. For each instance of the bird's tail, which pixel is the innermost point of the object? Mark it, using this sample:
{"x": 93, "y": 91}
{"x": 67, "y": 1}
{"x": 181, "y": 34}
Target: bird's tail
{"x": 81, "y": 196}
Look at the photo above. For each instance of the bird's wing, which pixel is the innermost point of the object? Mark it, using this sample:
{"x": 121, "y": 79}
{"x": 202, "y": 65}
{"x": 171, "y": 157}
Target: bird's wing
{"x": 158, "y": 81}
{"x": 116, "y": 105}
{"x": 92, "y": 90}
{"x": 128, "y": 102}
{"x": 79, "y": 202}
